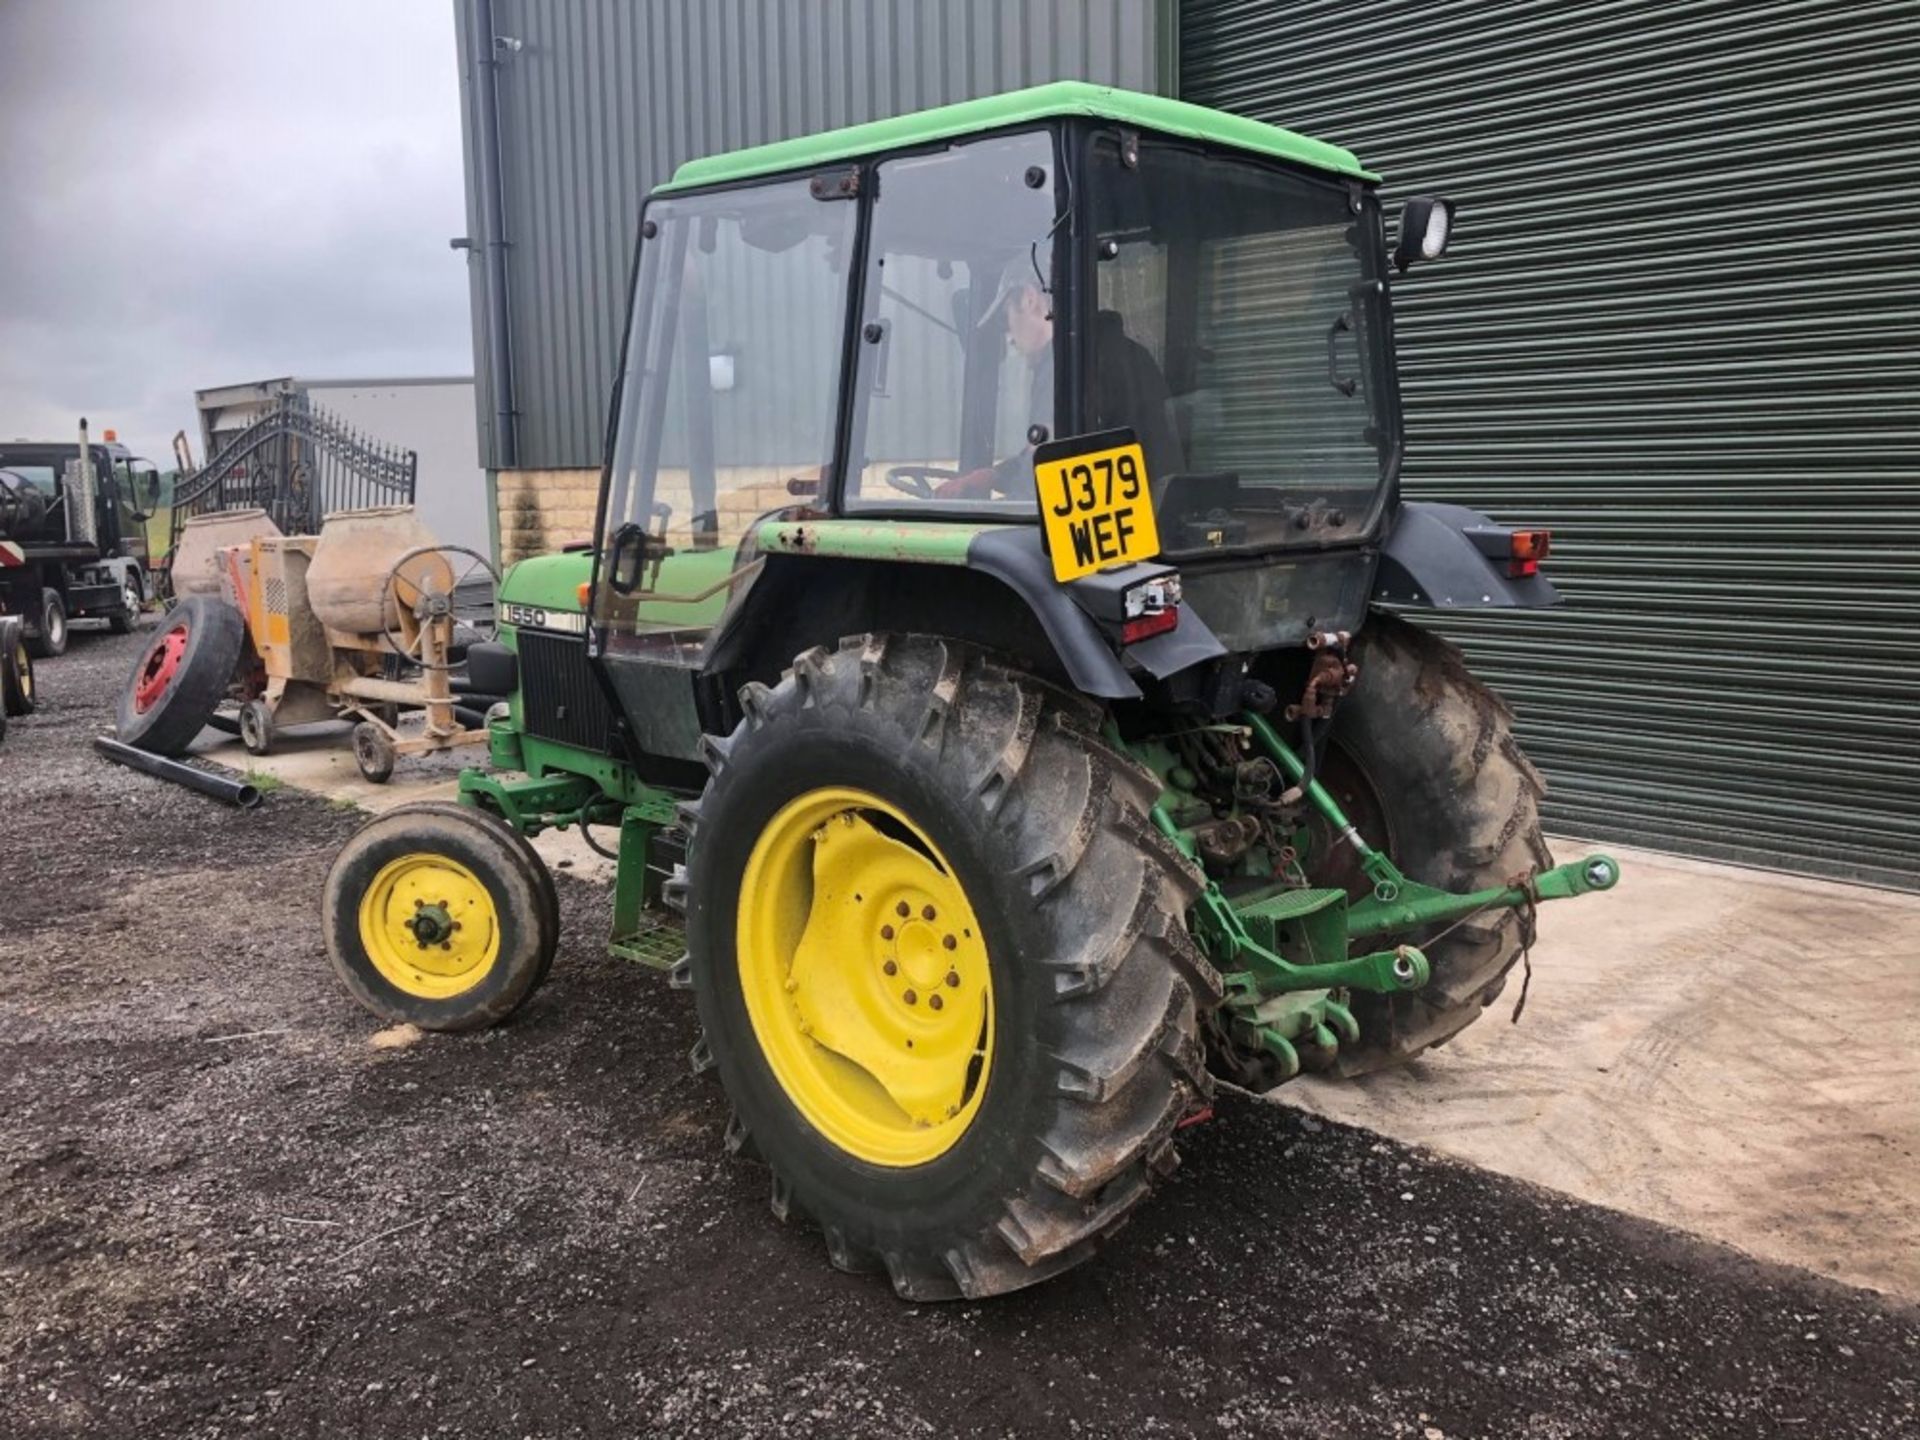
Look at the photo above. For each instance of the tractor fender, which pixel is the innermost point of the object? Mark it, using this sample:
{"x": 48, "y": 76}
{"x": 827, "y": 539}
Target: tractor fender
{"x": 1433, "y": 560}
{"x": 998, "y": 592}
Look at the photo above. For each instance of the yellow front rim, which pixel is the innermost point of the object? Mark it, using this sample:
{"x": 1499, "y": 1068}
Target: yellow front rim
{"x": 865, "y": 976}
{"x": 429, "y": 926}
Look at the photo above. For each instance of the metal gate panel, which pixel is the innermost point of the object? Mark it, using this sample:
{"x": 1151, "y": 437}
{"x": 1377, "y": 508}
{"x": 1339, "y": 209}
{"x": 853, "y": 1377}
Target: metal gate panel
{"x": 1680, "y": 325}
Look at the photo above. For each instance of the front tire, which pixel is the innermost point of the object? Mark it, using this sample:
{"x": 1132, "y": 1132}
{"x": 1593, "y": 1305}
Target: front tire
{"x": 51, "y": 637}
{"x": 123, "y": 621}
{"x": 1044, "y": 912}
{"x": 438, "y": 916}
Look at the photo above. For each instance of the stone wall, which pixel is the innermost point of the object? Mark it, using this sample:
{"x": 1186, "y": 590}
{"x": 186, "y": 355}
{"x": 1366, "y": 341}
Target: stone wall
{"x": 543, "y": 510}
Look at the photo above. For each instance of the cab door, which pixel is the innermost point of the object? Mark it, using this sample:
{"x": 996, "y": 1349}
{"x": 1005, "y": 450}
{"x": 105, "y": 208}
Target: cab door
{"x": 726, "y": 412}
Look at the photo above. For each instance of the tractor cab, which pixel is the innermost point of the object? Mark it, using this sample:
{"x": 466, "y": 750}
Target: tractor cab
{"x": 902, "y": 324}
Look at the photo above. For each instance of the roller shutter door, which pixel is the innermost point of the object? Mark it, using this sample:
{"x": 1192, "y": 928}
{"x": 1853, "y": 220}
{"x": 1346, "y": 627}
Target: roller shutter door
{"x": 1680, "y": 326}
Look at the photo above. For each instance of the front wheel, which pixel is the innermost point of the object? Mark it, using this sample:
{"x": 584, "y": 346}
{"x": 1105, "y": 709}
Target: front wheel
{"x": 441, "y": 917}
{"x": 123, "y": 621}
{"x": 939, "y": 963}
{"x": 51, "y": 639}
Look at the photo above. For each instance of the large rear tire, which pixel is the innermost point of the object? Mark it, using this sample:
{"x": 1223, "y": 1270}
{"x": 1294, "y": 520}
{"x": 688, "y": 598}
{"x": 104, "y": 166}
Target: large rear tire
{"x": 1460, "y": 808}
{"x": 940, "y": 965}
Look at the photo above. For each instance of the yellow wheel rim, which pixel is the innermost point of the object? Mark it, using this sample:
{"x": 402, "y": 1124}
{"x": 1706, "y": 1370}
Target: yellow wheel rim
{"x": 429, "y": 926}
{"x": 865, "y": 976}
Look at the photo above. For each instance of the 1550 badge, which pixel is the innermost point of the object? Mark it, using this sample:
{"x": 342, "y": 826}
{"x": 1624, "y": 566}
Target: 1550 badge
{"x": 1096, "y": 507}
{"x": 534, "y": 617}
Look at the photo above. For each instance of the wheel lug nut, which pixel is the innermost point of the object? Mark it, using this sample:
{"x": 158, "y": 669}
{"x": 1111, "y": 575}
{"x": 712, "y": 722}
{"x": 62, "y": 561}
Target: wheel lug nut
{"x": 891, "y": 968}
{"x": 911, "y": 998}
{"x": 935, "y": 1001}
{"x": 926, "y": 912}
{"x": 950, "y": 942}
{"x": 953, "y": 978}
{"x": 903, "y": 910}
{"x": 886, "y": 932}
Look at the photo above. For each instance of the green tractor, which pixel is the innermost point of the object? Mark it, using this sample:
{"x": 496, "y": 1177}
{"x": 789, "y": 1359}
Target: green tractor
{"x": 992, "y": 661}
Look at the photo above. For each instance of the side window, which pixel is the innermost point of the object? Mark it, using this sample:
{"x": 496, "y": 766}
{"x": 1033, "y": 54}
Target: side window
{"x": 956, "y": 351}
{"x": 728, "y": 401}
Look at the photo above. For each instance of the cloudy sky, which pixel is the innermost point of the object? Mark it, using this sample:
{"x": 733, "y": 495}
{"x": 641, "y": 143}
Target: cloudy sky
{"x": 202, "y": 192}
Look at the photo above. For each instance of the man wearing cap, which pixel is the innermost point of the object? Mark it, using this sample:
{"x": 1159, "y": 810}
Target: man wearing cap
{"x": 1128, "y": 389}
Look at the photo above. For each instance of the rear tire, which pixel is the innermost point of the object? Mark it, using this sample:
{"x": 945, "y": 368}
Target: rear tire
{"x": 1462, "y": 811}
{"x": 1090, "y": 1054}
{"x": 182, "y": 675}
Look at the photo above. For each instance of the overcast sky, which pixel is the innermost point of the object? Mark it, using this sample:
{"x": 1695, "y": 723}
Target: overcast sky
{"x": 203, "y": 192}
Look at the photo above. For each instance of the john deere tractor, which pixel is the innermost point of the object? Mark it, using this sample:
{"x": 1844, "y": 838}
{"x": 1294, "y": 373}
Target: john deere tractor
{"x": 993, "y": 663}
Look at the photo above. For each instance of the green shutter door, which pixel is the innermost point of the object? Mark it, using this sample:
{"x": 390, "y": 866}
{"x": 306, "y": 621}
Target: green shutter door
{"x": 1680, "y": 326}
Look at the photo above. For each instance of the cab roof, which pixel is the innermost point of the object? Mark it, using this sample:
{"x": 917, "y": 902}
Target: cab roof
{"x": 1065, "y": 98}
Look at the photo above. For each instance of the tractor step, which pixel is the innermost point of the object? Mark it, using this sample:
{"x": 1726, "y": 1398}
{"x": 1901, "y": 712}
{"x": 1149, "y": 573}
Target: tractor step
{"x": 1290, "y": 904}
{"x": 657, "y": 941}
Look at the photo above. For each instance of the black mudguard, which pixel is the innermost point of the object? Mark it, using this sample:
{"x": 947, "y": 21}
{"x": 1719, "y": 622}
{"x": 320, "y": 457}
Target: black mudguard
{"x": 1017, "y": 558}
{"x": 1434, "y": 559}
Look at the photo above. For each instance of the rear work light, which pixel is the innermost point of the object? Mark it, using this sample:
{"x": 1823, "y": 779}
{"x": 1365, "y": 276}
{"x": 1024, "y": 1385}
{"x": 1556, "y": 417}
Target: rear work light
{"x": 1525, "y": 550}
{"x": 1150, "y": 608}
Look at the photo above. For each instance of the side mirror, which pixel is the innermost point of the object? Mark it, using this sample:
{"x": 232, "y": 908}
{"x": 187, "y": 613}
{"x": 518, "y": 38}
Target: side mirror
{"x": 153, "y": 489}
{"x": 1426, "y": 224}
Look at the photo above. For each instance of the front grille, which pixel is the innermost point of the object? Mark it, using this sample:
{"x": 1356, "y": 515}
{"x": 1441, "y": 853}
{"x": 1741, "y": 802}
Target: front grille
{"x": 559, "y": 699}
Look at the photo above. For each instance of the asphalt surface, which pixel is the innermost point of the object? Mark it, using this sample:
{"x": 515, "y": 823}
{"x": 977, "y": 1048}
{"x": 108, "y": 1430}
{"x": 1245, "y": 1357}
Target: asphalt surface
{"x": 224, "y": 1210}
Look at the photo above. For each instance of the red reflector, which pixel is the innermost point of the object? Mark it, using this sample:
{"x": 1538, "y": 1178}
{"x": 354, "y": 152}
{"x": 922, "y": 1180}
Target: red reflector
{"x": 1530, "y": 544}
{"x": 1527, "y": 549}
{"x": 1147, "y": 625}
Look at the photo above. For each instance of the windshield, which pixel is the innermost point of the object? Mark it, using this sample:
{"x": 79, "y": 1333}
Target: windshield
{"x": 1241, "y": 315}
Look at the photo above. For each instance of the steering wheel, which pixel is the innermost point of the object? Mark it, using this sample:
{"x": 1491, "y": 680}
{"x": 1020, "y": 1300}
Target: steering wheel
{"x": 917, "y": 480}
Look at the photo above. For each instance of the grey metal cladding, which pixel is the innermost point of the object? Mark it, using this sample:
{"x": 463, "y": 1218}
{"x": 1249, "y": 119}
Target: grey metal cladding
{"x": 603, "y": 98}
{"x": 1680, "y": 325}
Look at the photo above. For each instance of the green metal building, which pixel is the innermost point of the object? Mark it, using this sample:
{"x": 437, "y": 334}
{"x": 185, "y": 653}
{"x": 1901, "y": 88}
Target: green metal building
{"x": 1680, "y": 325}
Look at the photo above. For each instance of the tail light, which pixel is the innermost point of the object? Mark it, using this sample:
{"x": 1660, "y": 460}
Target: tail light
{"x": 1150, "y": 608}
{"x": 1525, "y": 550}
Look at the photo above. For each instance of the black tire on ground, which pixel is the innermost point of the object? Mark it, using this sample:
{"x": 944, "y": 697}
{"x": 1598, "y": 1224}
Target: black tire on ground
{"x": 536, "y": 866}
{"x": 521, "y": 913}
{"x": 1097, "y": 987}
{"x": 50, "y": 639}
{"x": 214, "y": 637}
{"x": 18, "y": 694}
{"x": 1462, "y": 811}
{"x": 373, "y": 752}
{"x": 123, "y": 620}
{"x": 256, "y": 727}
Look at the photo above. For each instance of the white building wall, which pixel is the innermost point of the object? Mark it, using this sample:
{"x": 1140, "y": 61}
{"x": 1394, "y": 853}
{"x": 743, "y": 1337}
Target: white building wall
{"x": 435, "y": 419}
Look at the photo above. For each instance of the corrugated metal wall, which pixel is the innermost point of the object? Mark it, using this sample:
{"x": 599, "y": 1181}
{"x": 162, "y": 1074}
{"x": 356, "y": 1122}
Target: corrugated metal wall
{"x": 1680, "y": 325}
{"x": 605, "y": 97}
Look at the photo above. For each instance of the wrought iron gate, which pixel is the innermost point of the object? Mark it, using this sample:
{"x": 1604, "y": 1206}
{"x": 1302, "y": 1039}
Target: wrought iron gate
{"x": 299, "y": 464}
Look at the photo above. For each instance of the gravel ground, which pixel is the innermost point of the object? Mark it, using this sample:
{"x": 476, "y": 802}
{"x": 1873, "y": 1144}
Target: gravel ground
{"x": 225, "y": 1210}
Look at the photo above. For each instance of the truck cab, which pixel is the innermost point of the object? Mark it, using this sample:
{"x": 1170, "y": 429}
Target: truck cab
{"x": 73, "y": 546}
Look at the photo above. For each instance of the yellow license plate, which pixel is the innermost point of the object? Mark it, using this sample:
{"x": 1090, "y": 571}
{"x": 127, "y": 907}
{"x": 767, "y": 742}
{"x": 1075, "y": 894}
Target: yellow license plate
{"x": 1095, "y": 503}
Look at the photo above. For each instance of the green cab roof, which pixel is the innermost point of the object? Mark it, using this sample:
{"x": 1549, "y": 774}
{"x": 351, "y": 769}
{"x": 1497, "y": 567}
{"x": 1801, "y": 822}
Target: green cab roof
{"x": 1018, "y": 107}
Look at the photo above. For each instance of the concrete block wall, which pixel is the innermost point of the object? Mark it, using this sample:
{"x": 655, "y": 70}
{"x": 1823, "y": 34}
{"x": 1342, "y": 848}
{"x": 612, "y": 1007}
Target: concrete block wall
{"x": 543, "y": 510}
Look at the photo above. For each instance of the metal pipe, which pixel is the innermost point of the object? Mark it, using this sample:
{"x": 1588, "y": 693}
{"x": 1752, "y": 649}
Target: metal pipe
{"x": 220, "y": 787}
{"x": 484, "y": 63}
